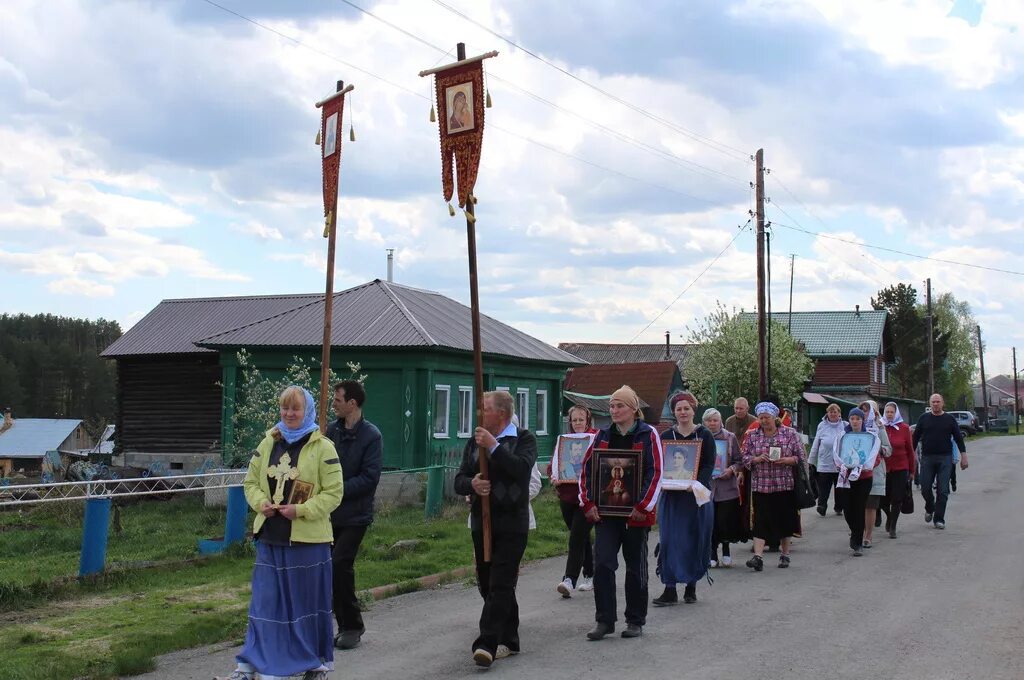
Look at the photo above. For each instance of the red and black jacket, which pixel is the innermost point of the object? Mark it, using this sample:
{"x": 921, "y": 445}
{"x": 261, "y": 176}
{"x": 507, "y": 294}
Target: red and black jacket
{"x": 643, "y": 438}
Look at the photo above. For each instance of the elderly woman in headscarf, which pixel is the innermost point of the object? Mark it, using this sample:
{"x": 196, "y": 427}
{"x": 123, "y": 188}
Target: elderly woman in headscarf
{"x": 899, "y": 468}
{"x": 293, "y": 483}
{"x": 771, "y": 452}
{"x": 873, "y": 423}
{"x": 684, "y": 526}
{"x": 725, "y": 490}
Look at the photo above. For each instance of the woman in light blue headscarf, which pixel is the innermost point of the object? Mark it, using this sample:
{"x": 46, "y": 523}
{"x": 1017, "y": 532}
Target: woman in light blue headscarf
{"x": 293, "y": 483}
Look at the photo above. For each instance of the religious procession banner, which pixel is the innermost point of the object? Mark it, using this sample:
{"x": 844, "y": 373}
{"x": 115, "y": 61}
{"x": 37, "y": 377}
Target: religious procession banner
{"x": 460, "y": 96}
{"x": 329, "y": 139}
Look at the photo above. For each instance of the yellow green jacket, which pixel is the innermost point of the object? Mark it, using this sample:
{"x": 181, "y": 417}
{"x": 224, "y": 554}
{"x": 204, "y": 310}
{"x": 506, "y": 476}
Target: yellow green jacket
{"x": 318, "y": 464}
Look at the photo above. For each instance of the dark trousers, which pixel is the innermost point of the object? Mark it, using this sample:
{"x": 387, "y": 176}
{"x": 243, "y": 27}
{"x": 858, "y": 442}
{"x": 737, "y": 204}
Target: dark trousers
{"x": 611, "y": 535}
{"x": 826, "y": 481}
{"x": 936, "y": 469}
{"x": 895, "y": 492}
{"x": 499, "y": 618}
{"x": 855, "y": 502}
{"x": 343, "y": 559}
{"x": 581, "y": 554}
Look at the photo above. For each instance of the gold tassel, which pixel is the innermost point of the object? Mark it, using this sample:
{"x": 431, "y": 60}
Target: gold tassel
{"x": 327, "y": 224}
{"x": 470, "y": 217}
{"x": 451, "y": 210}
{"x": 433, "y": 116}
{"x": 318, "y": 137}
{"x": 489, "y": 104}
{"x": 351, "y": 133}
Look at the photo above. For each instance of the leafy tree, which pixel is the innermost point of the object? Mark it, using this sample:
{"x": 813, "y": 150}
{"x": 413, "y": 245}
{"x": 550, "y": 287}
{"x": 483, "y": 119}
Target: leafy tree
{"x": 256, "y": 408}
{"x": 957, "y": 326}
{"x": 909, "y": 373}
{"x": 725, "y": 357}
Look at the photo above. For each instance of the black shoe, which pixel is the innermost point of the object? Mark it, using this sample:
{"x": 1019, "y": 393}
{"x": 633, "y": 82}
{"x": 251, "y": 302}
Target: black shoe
{"x": 927, "y": 518}
{"x": 878, "y": 519}
{"x": 892, "y": 533}
{"x": 600, "y": 631}
{"x": 690, "y": 594}
{"x": 858, "y": 551}
{"x": 838, "y": 511}
{"x": 822, "y": 510}
{"x": 348, "y": 639}
{"x": 633, "y": 631}
{"x": 756, "y": 563}
{"x": 667, "y": 598}
{"x": 783, "y": 561}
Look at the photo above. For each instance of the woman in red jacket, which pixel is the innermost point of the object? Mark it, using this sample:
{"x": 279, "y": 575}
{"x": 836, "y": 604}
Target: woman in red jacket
{"x": 581, "y": 554}
{"x": 899, "y": 466}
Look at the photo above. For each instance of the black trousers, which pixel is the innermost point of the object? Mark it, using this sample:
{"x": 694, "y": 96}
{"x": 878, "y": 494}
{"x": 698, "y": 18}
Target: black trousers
{"x": 343, "y": 558}
{"x": 499, "y": 618}
{"x": 827, "y": 480}
{"x": 856, "y": 501}
{"x": 895, "y": 492}
{"x": 611, "y": 535}
{"x": 581, "y": 554}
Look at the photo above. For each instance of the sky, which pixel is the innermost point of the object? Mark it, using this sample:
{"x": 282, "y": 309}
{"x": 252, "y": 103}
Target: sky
{"x": 165, "y": 149}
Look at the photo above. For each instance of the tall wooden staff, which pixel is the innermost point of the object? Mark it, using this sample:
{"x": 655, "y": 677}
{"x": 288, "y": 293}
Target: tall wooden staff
{"x": 460, "y": 111}
{"x": 329, "y": 140}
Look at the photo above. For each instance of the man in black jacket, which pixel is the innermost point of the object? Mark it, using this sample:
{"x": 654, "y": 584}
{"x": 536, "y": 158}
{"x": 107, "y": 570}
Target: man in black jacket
{"x": 359, "y": 446}
{"x": 937, "y": 432}
{"x": 513, "y": 452}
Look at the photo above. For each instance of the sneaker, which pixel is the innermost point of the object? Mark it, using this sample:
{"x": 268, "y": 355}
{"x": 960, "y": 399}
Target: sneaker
{"x": 822, "y": 510}
{"x": 940, "y": 525}
{"x": 481, "y": 657}
{"x": 867, "y": 543}
{"x": 586, "y": 583}
{"x": 927, "y": 518}
{"x": 726, "y": 561}
{"x": 504, "y": 651}
{"x": 315, "y": 675}
{"x": 756, "y": 563}
{"x": 783, "y": 561}
{"x": 565, "y": 588}
{"x": 633, "y": 631}
{"x": 667, "y": 598}
{"x": 858, "y": 551}
{"x": 238, "y": 674}
{"x": 713, "y": 564}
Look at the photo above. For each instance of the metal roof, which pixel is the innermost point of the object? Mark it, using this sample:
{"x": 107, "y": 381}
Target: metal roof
{"x": 835, "y": 334}
{"x": 612, "y": 353}
{"x": 174, "y": 325}
{"x": 33, "y": 437}
{"x": 652, "y": 381}
{"x": 597, "y": 405}
{"x": 386, "y": 314}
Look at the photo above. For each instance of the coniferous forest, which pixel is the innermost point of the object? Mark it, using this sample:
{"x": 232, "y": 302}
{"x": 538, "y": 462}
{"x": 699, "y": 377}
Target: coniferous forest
{"x": 50, "y": 368}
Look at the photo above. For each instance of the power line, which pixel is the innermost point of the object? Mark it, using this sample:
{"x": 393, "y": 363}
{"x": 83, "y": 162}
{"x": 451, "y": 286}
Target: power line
{"x": 691, "y": 283}
{"x": 721, "y": 147}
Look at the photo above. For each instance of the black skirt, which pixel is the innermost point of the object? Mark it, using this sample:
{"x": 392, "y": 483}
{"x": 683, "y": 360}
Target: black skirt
{"x": 729, "y": 522}
{"x": 775, "y": 515}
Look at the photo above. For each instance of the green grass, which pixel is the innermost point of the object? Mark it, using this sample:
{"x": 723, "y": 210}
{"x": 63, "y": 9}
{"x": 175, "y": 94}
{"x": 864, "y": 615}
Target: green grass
{"x": 117, "y": 623}
{"x": 983, "y": 435}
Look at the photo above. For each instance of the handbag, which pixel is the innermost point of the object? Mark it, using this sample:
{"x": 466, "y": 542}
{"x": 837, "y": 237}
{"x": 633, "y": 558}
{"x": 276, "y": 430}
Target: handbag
{"x": 805, "y": 498}
{"x": 908, "y": 500}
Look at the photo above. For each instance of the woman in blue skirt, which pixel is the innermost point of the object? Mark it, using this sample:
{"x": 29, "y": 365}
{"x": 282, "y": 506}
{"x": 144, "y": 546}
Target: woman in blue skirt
{"x": 684, "y": 526}
{"x": 293, "y": 484}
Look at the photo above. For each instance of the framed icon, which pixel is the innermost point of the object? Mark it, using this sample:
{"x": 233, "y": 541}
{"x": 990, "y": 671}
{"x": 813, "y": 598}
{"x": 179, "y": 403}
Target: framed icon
{"x": 617, "y": 476}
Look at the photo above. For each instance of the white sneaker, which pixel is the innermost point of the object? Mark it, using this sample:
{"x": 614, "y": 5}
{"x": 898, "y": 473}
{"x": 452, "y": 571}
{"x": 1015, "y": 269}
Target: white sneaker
{"x": 503, "y": 652}
{"x": 726, "y": 561}
{"x": 586, "y": 583}
{"x": 565, "y": 588}
{"x": 713, "y": 564}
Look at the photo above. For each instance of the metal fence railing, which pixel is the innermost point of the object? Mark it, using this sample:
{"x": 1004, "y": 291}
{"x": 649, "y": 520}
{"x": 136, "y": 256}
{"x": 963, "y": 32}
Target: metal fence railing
{"x": 44, "y": 492}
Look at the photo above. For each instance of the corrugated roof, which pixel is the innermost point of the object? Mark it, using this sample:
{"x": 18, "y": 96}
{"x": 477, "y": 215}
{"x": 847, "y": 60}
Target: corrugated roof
{"x": 386, "y": 314}
{"x": 835, "y": 334}
{"x": 175, "y": 325}
{"x": 620, "y": 353}
{"x": 33, "y": 437}
{"x": 595, "y": 404}
{"x": 651, "y": 381}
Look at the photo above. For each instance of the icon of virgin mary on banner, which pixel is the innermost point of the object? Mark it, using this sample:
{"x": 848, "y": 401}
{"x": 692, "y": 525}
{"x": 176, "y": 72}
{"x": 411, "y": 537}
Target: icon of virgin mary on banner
{"x": 460, "y": 95}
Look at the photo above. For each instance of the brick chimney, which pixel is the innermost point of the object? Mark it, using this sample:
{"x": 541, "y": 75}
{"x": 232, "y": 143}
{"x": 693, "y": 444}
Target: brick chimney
{"x": 8, "y": 421}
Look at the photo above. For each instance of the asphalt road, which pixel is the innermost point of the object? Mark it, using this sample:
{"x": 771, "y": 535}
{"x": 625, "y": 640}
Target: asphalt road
{"x": 933, "y": 605}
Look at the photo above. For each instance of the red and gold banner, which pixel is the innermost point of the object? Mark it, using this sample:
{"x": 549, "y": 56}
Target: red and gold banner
{"x": 460, "y": 115}
{"x": 330, "y": 148}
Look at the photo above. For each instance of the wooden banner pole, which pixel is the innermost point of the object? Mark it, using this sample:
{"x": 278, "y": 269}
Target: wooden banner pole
{"x": 325, "y": 357}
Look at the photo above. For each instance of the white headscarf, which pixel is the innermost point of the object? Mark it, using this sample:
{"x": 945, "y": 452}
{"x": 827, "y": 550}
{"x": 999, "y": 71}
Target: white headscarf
{"x": 895, "y": 421}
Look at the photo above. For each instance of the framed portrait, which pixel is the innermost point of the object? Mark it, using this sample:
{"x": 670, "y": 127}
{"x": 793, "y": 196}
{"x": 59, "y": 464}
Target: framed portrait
{"x": 855, "y": 449}
{"x": 331, "y": 135}
{"x": 616, "y": 475}
{"x": 458, "y": 101}
{"x": 300, "y": 493}
{"x": 567, "y": 460}
{"x": 721, "y": 458}
{"x": 681, "y": 461}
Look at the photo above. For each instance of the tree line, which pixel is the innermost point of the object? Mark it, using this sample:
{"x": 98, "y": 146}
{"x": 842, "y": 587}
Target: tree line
{"x": 50, "y": 368}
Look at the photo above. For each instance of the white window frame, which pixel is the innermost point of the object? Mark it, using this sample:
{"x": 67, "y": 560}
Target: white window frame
{"x": 542, "y": 413}
{"x": 883, "y": 373}
{"x": 447, "y": 389}
{"x": 468, "y": 432}
{"x": 524, "y": 415}
{"x": 499, "y": 388}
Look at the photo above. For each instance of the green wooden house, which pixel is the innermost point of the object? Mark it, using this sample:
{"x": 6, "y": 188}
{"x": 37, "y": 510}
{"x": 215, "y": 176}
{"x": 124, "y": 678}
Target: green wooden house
{"x": 414, "y": 345}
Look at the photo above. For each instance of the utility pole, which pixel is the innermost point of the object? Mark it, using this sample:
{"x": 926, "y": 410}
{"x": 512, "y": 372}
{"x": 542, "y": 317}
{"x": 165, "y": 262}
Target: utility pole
{"x": 984, "y": 387}
{"x": 792, "y": 260}
{"x": 1016, "y": 417}
{"x": 762, "y": 373}
{"x": 931, "y": 347}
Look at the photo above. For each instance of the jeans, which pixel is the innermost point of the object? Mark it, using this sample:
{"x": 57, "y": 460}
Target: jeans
{"x": 499, "y": 618}
{"x": 936, "y": 468}
{"x": 346, "y": 604}
{"x": 612, "y": 534}
{"x": 827, "y": 480}
{"x": 581, "y": 554}
{"x": 856, "y": 499}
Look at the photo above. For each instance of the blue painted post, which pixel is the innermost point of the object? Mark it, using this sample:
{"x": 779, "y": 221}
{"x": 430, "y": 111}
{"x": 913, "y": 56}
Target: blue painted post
{"x": 238, "y": 510}
{"x": 94, "y": 536}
